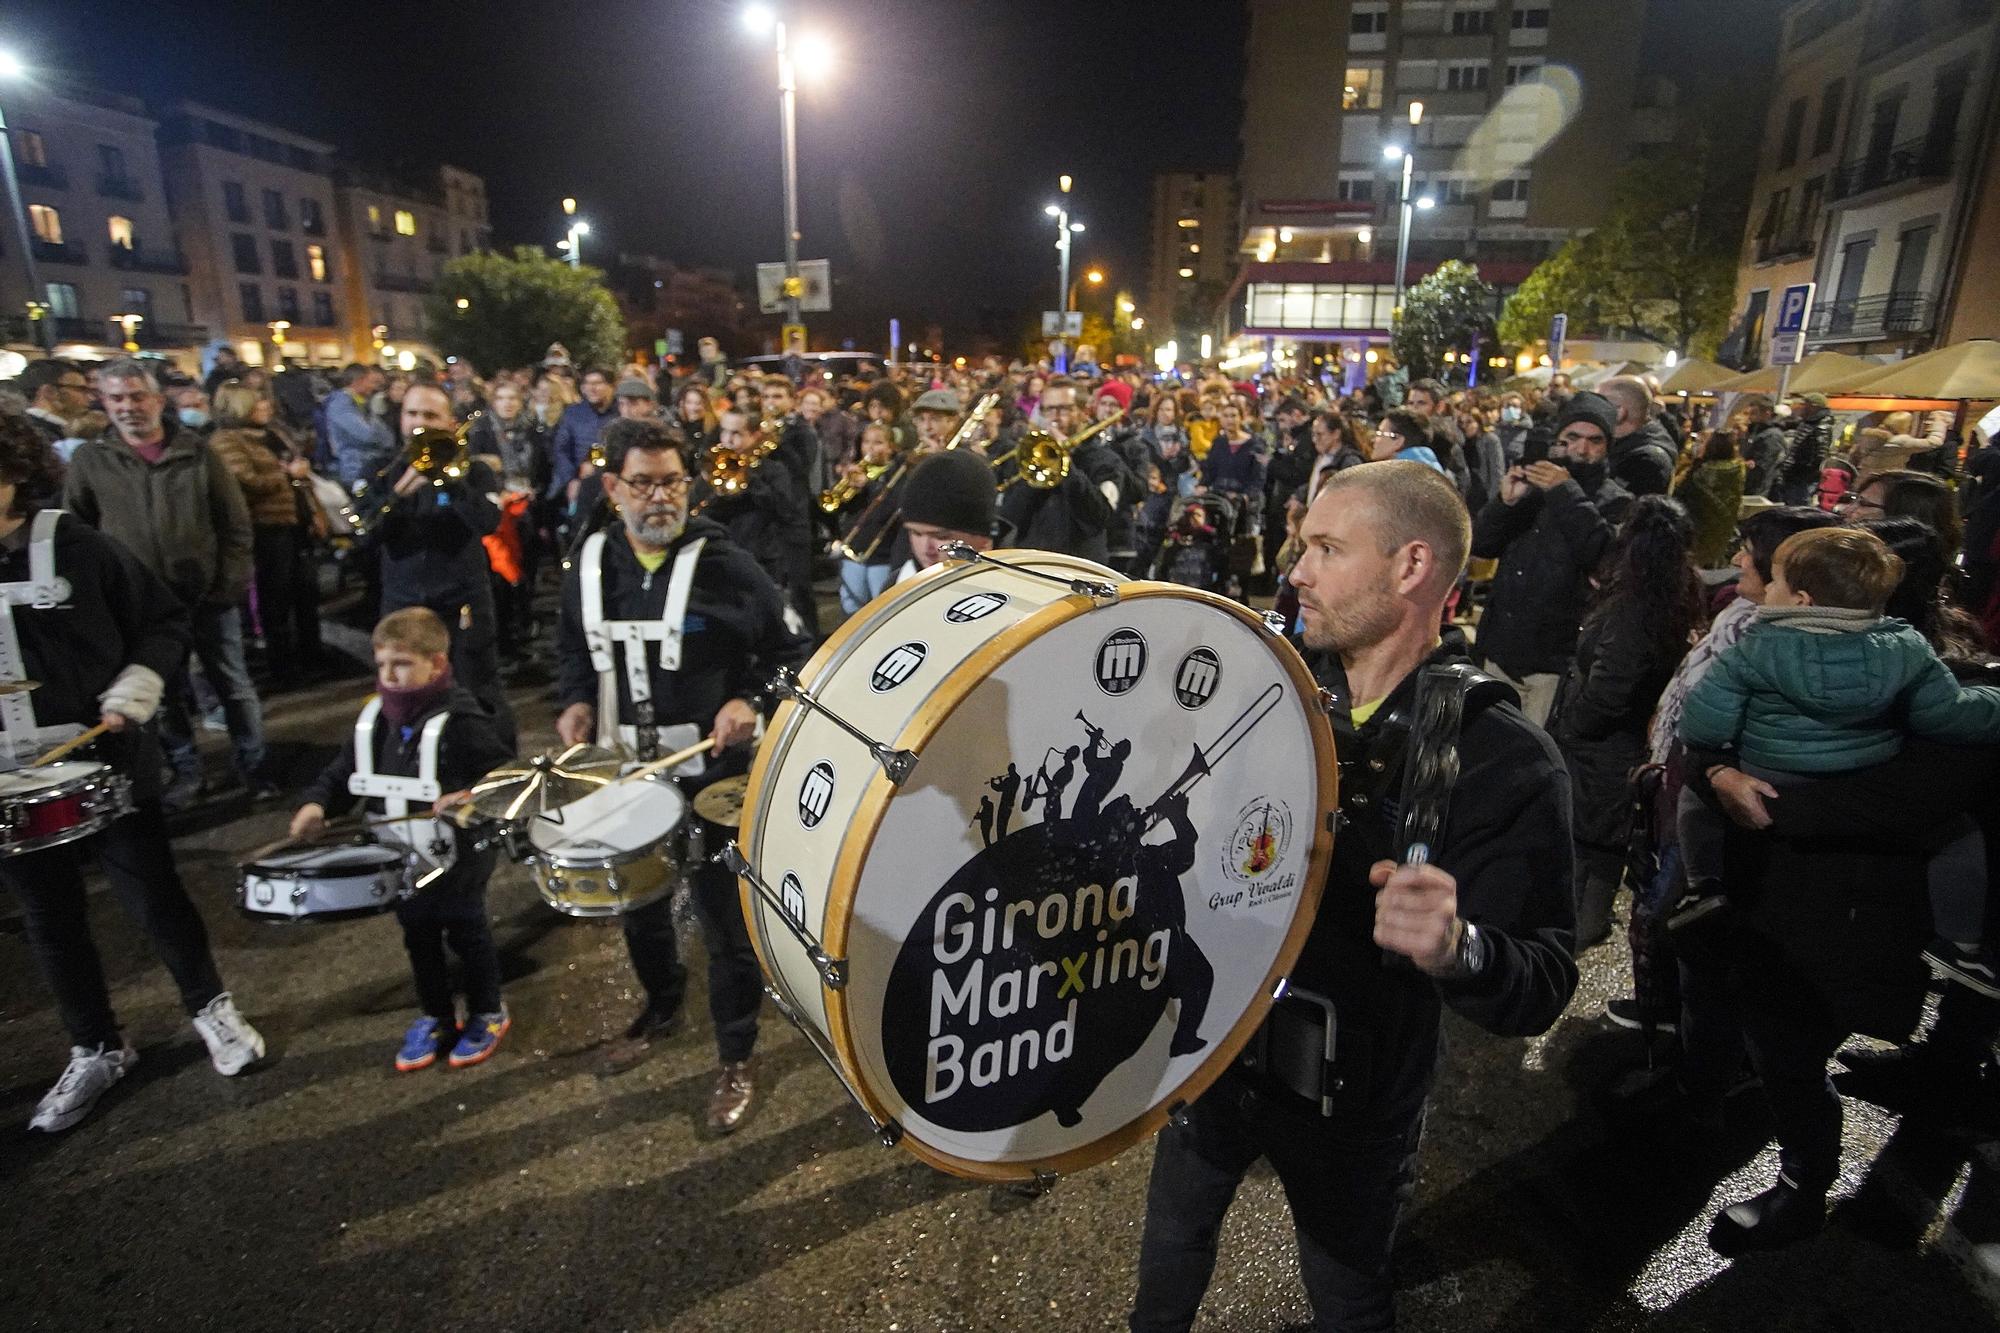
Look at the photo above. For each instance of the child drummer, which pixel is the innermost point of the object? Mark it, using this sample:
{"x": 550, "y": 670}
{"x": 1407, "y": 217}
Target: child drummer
{"x": 423, "y": 739}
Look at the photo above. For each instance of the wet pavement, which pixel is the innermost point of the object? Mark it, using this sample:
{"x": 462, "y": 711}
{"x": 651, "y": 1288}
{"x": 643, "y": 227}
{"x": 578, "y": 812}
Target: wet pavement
{"x": 326, "y": 1191}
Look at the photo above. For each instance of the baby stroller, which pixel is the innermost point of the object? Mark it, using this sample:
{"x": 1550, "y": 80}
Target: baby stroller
{"x": 1197, "y": 546}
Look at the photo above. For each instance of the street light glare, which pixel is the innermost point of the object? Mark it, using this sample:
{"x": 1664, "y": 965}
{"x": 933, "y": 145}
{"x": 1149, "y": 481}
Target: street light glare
{"x": 1064, "y": 182}
{"x": 569, "y": 207}
{"x": 1426, "y": 202}
{"x": 1094, "y": 275}
{"x": 12, "y": 66}
{"x": 759, "y": 19}
{"x": 1052, "y": 210}
{"x": 813, "y": 55}
{"x": 582, "y": 227}
{"x": 1076, "y": 226}
{"x": 1392, "y": 152}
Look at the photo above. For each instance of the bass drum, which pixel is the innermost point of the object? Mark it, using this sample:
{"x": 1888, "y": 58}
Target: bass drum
{"x": 1070, "y": 914}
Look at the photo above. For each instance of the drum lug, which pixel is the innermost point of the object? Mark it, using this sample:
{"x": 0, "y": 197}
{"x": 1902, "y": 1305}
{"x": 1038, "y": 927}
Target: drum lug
{"x": 1275, "y": 623}
{"x": 887, "y": 1133}
{"x": 898, "y": 764}
{"x": 1097, "y": 590}
{"x": 832, "y": 971}
{"x": 1327, "y": 702}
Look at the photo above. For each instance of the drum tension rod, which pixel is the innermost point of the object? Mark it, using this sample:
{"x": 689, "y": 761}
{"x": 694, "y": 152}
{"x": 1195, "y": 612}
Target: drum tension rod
{"x": 832, "y": 971}
{"x": 898, "y": 764}
{"x": 888, "y": 1134}
{"x": 1097, "y": 590}
{"x": 1275, "y": 623}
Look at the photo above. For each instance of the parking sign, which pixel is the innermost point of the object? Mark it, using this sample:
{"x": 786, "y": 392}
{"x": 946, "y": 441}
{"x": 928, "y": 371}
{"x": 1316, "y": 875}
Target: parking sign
{"x": 1788, "y": 336}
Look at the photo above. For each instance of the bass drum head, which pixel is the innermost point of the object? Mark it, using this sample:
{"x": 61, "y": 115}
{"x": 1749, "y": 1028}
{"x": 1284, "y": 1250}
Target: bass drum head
{"x": 1071, "y": 917}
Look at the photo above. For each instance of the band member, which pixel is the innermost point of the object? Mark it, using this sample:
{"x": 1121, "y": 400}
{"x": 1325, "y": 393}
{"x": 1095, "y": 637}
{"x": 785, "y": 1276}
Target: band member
{"x": 99, "y": 635}
{"x": 422, "y": 739}
{"x": 805, "y": 467}
{"x": 1485, "y": 926}
{"x": 769, "y": 515}
{"x": 873, "y": 520}
{"x": 433, "y": 555}
{"x": 1071, "y": 517}
{"x": 935, "y": 412}
{"x": 669, "y": 630}
{"x": 950, "y": 498}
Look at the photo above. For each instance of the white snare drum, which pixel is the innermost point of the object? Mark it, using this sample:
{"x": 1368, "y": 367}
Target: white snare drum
{"x": 1070, "y": 913}
{"x": 59, "y": 803}
{"x": 609, "y": 852}
{"x": 326, "y": 883}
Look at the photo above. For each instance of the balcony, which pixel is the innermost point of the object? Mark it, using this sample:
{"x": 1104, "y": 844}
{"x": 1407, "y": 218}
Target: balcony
{"x": 136, "y": 258}
{"x": 1779, "y": 249}
{"x": 1890, "y": 316}
{"x": 150, "y": 334}
{"x": 1925, "y": 159}
{"x": 54, "y": 178}
{"x": 401, "y": 282}
{"x": 54, "y": 252}
{"x": 120, "y": 187}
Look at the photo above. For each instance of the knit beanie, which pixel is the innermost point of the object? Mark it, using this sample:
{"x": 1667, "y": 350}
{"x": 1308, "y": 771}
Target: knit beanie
{"x": 1593, "y": 409}
{"x": 1119, "y": 392}
{"x": 952, "y": 490}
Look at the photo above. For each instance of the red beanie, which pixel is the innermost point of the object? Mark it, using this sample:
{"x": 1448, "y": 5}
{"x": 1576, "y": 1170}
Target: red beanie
{"x": 1118, "y": 391}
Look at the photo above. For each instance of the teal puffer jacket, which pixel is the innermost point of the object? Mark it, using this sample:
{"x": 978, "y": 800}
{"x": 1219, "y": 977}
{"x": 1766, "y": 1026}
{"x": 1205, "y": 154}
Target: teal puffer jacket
{"x": 1803, "y": 702}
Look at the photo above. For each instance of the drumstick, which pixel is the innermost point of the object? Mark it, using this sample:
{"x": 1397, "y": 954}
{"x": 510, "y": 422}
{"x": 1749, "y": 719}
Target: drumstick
{"x": 73, "y": 743}
{"x": 674, "y": 760}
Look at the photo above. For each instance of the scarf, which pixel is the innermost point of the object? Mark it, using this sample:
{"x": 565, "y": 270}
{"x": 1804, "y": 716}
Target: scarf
{"x": 404, "y": 707}
{"x": 1820, "y": 619}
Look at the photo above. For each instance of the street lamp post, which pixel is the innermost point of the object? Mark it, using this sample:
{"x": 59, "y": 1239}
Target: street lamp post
{"x": 1064, "y": 230}
{"x": 760, "y": 19}
{"x": 39, "y": 327}
{"x": 578, "y": 229}
{"x": 1409, "y": 156}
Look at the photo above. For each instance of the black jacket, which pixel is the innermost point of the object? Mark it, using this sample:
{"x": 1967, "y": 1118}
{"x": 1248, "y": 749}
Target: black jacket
{"x": 1809, "y": 446}
{"x": 873, "y": 521}
{"x": 734, "y": 635}
{"x": 431, "y": 549}
{"x": 1601, "y": 714}
{"x": 1071, "y": 517}
{"x": 1643, "y": 462}
{"x": 770, "y": 518}
{"x": 1548, "y": 544}
{"x": 1764, "y": 457}
{"x": 1506, "y": 842}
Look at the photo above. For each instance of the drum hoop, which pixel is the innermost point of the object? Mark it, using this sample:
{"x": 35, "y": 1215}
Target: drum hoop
{"x": 362, "y": 840}
{"x": 954, "y": 690}
{"x": 99, "y": 776}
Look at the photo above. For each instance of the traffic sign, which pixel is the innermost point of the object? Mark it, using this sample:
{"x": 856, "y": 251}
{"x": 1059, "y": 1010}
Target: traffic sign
{"x": 676, "y": 343}
{"x": 1558, "y": 331}
{"x": 1062, "y": 323}
{"x": 1788, "y": 336}
{"x": 815, "y": 289}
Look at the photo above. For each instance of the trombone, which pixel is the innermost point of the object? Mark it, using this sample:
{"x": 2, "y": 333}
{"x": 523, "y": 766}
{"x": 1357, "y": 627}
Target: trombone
{"x": 433, "y": 453}
{"x": 1042, "y": 457}
{"x": 727, "y": 471}
{"x": 961, "y": 437}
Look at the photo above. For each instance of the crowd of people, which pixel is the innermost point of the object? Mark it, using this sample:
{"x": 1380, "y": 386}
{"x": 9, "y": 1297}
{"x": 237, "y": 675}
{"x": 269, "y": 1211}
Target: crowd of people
{"x": 1733, "y": 671}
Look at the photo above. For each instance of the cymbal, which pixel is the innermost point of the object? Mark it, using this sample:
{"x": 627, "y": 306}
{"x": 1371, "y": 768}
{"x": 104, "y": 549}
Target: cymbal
{"x": 722, "y": 802}
{"x": 19, "y": 686}
{"x": 546, "y": 782}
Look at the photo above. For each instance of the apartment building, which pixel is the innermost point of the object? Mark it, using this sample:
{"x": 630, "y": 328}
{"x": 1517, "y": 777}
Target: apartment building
{"x": 1528, "y": 109}
{"x": 107, "y": 268}
{"x": 253, "y": 204}
{"x": 1192, "y": 238}
{"x": 395, "y": 237}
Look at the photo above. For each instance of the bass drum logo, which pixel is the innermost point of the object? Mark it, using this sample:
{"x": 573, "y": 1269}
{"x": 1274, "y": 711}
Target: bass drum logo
{"x": 897, "y": 665}
{"x": 1197, "y": 678}
{"x": 978, "y": 606}
{"x": 815, "y": 794}
{"x": 1121, "y": 660}
{"x": 1262, "y": 835}
{"x": 792, "y": 894}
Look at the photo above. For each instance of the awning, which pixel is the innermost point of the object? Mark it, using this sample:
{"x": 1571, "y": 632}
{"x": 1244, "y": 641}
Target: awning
{"x": 1695, "y": 375}
{"x": 1822, "y": 372}
{"x": 1967, "y": 370}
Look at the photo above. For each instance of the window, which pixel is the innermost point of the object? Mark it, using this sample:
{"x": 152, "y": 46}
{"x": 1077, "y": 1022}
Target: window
{"x": 316, "y": 262}
{"x": 322, "y": 310}
{"x": 1513, "y": 190}
{"x": 1471, "y": 22}
{"x": 1774, "y": 215}
{"x": 312, "y": 221}
{"x": 1809, "y": 202}
{"x": 1468, "y": 77}
{"x": 135, "y": 301}
{"x": 288, "y": 304}
{"x": 1829, "y": 116}
{"x": 1795, "y": 128}
{"x": 111, "y": 162}
{"x": 29, "y": 150}
{"x": 62, "y": 301}
{"x": 121, "y": 231}
{"x": 1355, "y": 189}
{"x": 1530, "y": 20}
{"x": 284, "y": 263}
{"x": 46, "y": 222}
{"x": 233, "y": 203}
{"x": 1364, "y": 19}
{"x": 1455, "y": 190}
{"x": 375, "y": 219}
{"x": 252, "y": 297}
{"x": 1523, "y": 71}
{"x": 1361, "y": 90}
{"x": 244, "y": 246}
{"x": 406, "y": 222}
{"x": 274, "y": 211}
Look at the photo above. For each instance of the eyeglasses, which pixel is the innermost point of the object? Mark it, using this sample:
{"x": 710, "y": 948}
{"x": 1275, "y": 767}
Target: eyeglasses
{"x": 661, "y": 486}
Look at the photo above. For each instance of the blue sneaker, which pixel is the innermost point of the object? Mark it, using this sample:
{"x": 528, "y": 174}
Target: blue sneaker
{"x": 481, "y": 1036}
{"x": 422, "y": 1044}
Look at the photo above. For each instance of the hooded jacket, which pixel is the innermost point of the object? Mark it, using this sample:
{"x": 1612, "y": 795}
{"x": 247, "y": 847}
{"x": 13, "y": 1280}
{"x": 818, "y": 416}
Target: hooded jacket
{"x": 183, "y": 517}
{"x": 1548, "y": 544}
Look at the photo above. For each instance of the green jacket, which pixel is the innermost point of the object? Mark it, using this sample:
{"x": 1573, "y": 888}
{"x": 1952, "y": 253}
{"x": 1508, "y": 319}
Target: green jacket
{"x": 183, "y": 517}
{"x": 1712, "y": 494}
{"x": 1809, "y": 701}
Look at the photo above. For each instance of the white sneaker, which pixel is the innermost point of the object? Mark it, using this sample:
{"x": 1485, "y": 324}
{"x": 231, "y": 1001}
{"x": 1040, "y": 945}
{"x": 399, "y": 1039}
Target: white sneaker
{"x": 233, "y": 1045}
{"x": 89, "y": 1076}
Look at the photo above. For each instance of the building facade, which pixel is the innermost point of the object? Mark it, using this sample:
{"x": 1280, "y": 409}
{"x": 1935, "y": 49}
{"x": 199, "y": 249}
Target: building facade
{"x": 1876, "y": 178}
{"x": 1191, "y": 240}
{"x": 254, "y": 205}
{"x": 395, "y": 238}
{"x": 1528, "y": 109}
{"x": 108, "y": 268}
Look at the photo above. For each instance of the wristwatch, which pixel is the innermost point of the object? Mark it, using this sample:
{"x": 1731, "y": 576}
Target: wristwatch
{"x": 1473, "y": 952}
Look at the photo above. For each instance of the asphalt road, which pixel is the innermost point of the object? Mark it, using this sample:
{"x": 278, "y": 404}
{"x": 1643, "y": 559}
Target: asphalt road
{"x": 328, "y": 1192}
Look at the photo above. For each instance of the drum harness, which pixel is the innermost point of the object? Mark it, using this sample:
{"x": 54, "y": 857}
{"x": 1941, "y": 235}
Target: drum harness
{"x": 1413, "y": 750}
{"x": 434, "y": 841}
{"x": 45, "y": 590}
{"x": 610, "y": 640}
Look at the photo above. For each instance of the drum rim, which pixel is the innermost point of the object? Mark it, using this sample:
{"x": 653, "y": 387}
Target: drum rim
{"x": 864, "y": 827}
{"x": 266, "y": 870}
{"x": 99, "y": 774}
{"x": 103, "y": 779}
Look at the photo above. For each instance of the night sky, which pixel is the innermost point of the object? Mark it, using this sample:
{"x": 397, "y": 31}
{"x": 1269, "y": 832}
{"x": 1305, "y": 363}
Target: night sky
{"x": 925, "y": 159}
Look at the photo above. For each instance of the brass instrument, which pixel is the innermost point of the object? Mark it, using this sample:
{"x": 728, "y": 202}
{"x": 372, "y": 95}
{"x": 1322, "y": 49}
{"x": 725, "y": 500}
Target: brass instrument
{"x": 961, "y": 437}
{"x": 968, "y": 428}
{"x": 1042, "y": 458}
{"x": 841, "y": 494}
{"x": 433, "y": 453}
{"x": 727, "y": 471}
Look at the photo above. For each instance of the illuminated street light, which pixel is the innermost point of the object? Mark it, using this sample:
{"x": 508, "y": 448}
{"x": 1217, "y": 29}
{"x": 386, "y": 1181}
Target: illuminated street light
{"x": 1052, "y": 210}
{"x": 1064, "y": 182}
{"x": 572, "y": 243}
{"x": 1392, "y": 152}
{"x": 1127, "y": 307}
{"x": 462, "y": 303}
{"x": 815, "y": 56}
{"x": 569, "y": 206}
{"x": 12, "y": 66}
{"x": 1094, "y": 276}
{"x": 1416, "y": 113}
{"x": 1366, "y": 236}
{"x": 1137, "y": 323}
{"x": 759, "y": 19}
{"x": 1426, "y": 202}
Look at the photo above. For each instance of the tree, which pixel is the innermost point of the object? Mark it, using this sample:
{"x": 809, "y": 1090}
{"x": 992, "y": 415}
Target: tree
{"x": 513, "y": 308}
{"x": 1662, "y": 263}
{"x": 1446, "y": 311}
{"x": 1197, "y": 310}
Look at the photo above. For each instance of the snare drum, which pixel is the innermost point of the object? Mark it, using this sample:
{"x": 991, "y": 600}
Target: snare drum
{"x": 332, "y": 882}
{"x": 59, "y": 803}
{"x": 1026, "y": 860}
{"x": 609, "y": 852}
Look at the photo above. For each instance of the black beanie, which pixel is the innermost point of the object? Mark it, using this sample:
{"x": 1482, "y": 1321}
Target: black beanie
{"x": 954, "y": 490}
{"x": 1593, "y": 408}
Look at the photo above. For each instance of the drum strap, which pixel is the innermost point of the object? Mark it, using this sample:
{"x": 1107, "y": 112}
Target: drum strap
{"x": 44, "y": 590}
{"x": 611, "y": 641}
{"x": 433, "y": 840}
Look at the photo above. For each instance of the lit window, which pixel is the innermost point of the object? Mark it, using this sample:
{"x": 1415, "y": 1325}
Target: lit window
{"x": 1194, "y": 249}
{"x": 121, "y": 231}
{"x": 1361, "y": 90}
{"x": 406, "y": 222}
{"x": 1189, "y": 222}
{"x": 47, "y": 223}
{"x": 316, "y": 262}
{"x": 374, "y": 217}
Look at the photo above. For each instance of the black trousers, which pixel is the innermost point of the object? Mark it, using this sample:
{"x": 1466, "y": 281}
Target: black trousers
{"x": 138, "y": 862}
{"x": 287, "y": 596}
{"x": 453, "y": 912}
{"x": 1347, "y": 1195}
{"x": 735, "y": 985}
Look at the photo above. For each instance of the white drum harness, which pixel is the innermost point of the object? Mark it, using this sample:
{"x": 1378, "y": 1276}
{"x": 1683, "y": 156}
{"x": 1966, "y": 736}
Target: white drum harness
{"x": 613, "y": 640}
{"x": 44, "y": 590}
{"x": 433, "y": 840}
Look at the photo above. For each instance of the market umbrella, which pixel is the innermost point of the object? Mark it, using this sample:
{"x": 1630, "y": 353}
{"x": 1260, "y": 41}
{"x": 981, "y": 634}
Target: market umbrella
{"x": 1967, "y": 370}
{"x": 1695, "y": 375}
{"x": 1822, "y": 372}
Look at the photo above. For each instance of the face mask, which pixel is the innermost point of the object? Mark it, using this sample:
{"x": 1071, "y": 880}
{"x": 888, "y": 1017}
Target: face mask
{"x": 193, "y": 416}
{"x": 1510, "y": 414}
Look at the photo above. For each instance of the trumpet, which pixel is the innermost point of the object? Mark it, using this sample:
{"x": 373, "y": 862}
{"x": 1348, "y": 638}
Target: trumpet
{"x": 727, "y": 471}
{"x": 841, "y": 494}
{"x": 433, "y": 453}
{"x": 1042, "y": 458}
